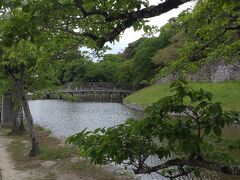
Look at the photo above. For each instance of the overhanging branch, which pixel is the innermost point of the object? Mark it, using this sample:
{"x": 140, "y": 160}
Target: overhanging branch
{"x": 148, "y": 12}
{"x": 192, "y": 163}
{"x": 128, "y": 19}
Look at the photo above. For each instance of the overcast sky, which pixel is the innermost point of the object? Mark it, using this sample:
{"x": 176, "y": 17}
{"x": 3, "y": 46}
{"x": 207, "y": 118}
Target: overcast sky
{"x": 129, "y": 35}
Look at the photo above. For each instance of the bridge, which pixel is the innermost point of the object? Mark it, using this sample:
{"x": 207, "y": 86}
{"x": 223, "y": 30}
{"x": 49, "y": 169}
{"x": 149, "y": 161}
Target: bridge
{"x": 89, "y": 90}
{"x": 88, "y": 93}
{"x": 83, "y": 92}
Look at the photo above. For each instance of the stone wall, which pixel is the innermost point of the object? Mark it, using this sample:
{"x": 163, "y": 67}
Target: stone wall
{"x": 216, "y": 71}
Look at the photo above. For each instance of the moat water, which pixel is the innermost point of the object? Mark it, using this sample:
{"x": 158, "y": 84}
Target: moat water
{"x": 65, "y": 118}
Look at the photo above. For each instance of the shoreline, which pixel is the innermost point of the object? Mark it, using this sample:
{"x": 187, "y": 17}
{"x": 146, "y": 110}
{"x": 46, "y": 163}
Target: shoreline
{"x": 133, "y": 106}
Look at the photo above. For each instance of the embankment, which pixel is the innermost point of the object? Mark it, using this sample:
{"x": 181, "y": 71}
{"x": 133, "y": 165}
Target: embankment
{"x": 228, "y": 93}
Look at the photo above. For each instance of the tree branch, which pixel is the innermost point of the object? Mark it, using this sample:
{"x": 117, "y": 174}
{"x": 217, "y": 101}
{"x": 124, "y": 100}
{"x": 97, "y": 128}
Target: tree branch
{"x": 60, "y": 55}
{"x": 128, "y": 18}
{"x": 200, "y": 49}
{"x": 148, "y": 12}
{"x": 133, "y": 17}
{"x": 79, "y": 4}
{"x": 201, "y": 163}
{"x": 90, "y": 35}
{"x": 182, "y": 173}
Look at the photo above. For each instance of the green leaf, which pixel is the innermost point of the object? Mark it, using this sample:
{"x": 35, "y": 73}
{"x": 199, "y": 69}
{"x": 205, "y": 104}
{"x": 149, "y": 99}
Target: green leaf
{"x": 207, "y": 129}
{"x": 217, "y": 130}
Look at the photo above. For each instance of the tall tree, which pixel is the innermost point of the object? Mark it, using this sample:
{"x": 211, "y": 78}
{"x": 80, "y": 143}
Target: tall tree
{"x": 91, "y": 23}
{"x": 17, "y": 63}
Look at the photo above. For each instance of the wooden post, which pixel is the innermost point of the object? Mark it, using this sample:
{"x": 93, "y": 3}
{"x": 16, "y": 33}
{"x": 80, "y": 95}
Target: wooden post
{"x": 7, "y": 110}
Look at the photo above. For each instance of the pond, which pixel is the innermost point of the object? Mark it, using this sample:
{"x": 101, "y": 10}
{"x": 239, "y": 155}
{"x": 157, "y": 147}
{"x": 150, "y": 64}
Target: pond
{"x": 65, "y": 118}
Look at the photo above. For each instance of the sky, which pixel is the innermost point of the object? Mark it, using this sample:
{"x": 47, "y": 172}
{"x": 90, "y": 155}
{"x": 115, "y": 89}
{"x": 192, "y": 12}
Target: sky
{"x": 129, "y": 35}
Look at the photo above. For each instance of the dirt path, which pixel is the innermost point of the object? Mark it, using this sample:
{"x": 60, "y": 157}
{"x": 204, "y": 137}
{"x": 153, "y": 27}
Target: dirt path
{"x": 16, "y": 165}
{"x": 7, "y": 169}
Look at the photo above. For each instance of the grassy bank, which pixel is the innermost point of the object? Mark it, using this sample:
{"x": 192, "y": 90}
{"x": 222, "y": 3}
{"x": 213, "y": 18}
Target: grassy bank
{"x": 226, "y": 92}
{"x": 66, "y": 163}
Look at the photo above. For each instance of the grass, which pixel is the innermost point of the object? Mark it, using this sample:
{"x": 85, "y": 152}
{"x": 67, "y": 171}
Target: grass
{"x": 54, "y": 149}
{"x": 68, "y": 97}
{"x": 228, "y": 93}
{"x": 51, "y": 153}
{"x": 36, "y": 96}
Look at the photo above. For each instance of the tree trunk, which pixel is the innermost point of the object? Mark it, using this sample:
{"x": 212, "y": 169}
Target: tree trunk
{"x": 16, "y": 108}
{"x": 19, "y": 83}
{"x": 21, "y": 118}
{"x": 29, "y": 119}
{"x": 18, "y": 126}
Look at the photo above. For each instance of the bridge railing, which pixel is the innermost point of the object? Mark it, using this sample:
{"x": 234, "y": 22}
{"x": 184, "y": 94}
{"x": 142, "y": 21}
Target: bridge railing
{"x": 93, "y": 86}
{"x": 115, "y": 90}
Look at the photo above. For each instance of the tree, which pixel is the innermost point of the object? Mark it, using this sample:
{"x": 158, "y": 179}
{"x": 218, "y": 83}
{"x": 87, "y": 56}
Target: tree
{"x": 170, "y": 53}
{"x": 92, "y": 23}
{"x": 124, "y": 74}
{"x": 97, "y": 21}
{"x": 212, "y": 33}
{"x": 130, "y": 50}
{"x": 183, "y": 131}
{"x": 25, "y": 63}
{"x": 113, "y": 58}
{"x": 86, "y": 23}
{"x": 143, "y": 66}
{"x": 17, "y": 63}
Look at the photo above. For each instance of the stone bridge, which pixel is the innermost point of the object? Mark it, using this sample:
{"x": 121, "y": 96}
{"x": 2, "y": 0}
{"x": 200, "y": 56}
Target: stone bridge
{"x": 88, "y": 93}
